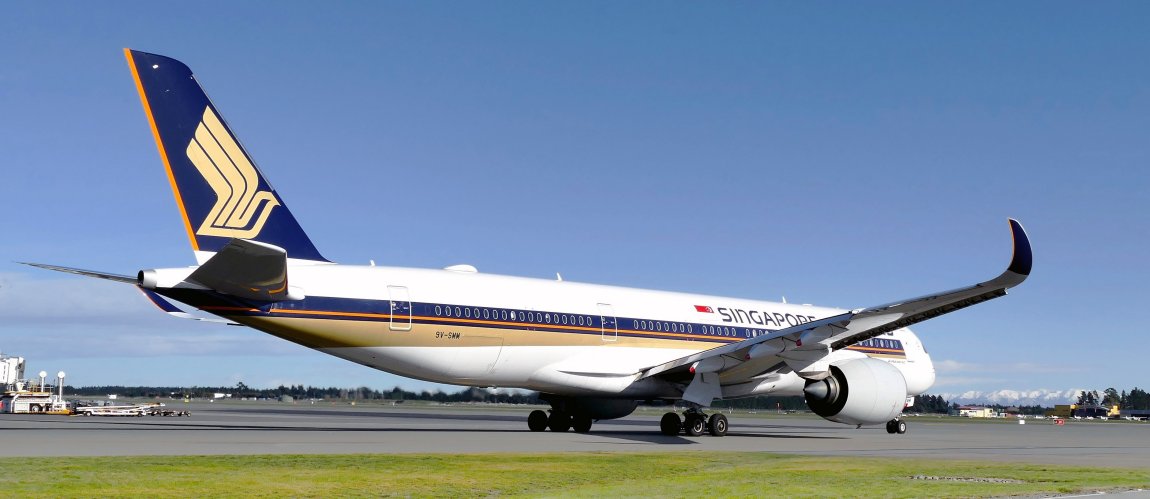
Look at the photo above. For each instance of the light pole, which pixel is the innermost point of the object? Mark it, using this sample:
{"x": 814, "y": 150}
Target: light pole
{"x": 43, "y": 375}
{"x": 61, "y": 382}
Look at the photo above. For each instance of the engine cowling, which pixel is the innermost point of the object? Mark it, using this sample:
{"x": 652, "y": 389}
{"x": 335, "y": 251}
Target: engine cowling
{"x": 860, "y": 391}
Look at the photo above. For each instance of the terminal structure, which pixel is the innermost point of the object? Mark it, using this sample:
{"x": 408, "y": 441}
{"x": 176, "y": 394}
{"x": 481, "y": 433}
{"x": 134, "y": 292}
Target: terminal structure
{"x": 24, "y": 397}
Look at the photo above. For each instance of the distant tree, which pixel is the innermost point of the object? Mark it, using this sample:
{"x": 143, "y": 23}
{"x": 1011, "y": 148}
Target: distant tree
{"x": 396, "y": 394}
{"x": 931, "y": 404}
{"x": 1087, "y": 398}
{"x": 1136, "y": 399}
{"x": 1110, "y": 397}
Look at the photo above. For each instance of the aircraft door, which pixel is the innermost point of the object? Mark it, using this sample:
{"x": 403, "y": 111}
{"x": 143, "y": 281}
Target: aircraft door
{"x": 400, "y": 308}
{"x": 610, "y": 327}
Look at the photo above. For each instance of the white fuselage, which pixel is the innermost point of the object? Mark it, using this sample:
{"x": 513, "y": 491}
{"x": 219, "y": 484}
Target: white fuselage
{"x": 469, "y": 328}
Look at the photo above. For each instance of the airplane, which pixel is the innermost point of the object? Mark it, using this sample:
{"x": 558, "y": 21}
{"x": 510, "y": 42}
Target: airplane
{"x": 593, "y": 352}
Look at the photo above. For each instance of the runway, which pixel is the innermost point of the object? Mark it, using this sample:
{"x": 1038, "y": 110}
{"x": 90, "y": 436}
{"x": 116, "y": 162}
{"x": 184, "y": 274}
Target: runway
{"x": 274, "y": 428}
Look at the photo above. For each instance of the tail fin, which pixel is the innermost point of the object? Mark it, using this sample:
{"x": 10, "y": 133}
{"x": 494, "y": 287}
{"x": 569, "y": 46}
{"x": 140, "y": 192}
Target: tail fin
{"x": 220, "y": 192}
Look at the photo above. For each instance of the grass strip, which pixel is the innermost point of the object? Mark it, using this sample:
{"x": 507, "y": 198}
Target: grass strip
{"x": 536, "y": 475}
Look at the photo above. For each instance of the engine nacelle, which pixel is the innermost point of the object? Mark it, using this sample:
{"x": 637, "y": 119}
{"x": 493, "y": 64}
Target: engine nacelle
{"x": 860, "y": 391}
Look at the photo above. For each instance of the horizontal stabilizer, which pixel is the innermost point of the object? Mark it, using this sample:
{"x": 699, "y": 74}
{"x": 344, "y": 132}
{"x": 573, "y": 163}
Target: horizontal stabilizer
{"x": 247, "y": 269}
{"x": 174, "y": 311}
{"x": 89, "y": 273}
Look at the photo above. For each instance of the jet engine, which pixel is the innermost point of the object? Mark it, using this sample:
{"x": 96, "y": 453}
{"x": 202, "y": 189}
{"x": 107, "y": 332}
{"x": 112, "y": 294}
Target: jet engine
{"x": 859, "y": 391}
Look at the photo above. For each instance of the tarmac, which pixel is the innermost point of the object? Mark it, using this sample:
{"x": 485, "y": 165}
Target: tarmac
{"x": 323, "y": 428}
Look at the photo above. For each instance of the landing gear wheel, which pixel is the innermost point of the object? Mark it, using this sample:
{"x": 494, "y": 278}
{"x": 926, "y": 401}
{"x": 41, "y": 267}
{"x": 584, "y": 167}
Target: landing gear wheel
{"x": 670, "y": 424}
{"x": 559, "y": 422}
{"x": 581, "y": 424}
{"x": 696, "y": 424}
{"x": 717, "y": 425}
{"x": 537, "y": 420}
{"x": 896, "y": 426}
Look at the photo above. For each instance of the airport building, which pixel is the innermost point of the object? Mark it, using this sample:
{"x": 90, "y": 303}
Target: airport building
{"x": 973, "y": 411}
{"x": 1083, "y": 411}
{"x": 22, "y": 397}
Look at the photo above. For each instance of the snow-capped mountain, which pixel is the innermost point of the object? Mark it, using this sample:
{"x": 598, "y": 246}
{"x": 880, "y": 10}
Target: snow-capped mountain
{"x": 1043, "y": 397}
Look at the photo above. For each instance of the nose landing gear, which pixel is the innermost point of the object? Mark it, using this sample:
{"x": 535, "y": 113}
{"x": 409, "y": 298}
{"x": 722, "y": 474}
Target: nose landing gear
{"x": 896, "y": 426}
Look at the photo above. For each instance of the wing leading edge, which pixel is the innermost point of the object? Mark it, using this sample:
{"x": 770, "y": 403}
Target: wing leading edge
{"x": 805, "y": 347}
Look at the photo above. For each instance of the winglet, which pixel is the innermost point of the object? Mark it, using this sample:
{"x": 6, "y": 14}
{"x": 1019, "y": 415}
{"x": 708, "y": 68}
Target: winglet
{"x": 1023, "y": 259}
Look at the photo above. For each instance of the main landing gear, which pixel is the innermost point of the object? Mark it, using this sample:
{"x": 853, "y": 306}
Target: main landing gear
{"x": 558, "y": 421}
{"x": 693, "y": 423}
{"x": 896, "y": 426}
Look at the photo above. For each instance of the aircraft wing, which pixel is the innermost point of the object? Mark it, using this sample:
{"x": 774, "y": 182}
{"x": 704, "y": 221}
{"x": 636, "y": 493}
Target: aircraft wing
{"x": 805, "y": 348}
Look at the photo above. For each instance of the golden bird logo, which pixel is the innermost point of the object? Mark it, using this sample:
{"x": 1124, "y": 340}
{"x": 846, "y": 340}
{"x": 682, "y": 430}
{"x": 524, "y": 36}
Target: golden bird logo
{"x": 241, "y": 209}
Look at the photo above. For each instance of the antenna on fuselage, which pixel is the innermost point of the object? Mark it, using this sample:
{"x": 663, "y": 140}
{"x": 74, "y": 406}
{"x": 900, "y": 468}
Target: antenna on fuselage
{"x": 558, "y": 277}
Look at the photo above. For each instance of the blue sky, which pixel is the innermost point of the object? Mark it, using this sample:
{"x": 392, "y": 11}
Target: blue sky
{"x": 832, "y": 153}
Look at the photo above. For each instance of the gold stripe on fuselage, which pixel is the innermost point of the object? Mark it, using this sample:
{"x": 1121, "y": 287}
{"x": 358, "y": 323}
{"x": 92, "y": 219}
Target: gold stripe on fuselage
{"x": 334, "y": 333}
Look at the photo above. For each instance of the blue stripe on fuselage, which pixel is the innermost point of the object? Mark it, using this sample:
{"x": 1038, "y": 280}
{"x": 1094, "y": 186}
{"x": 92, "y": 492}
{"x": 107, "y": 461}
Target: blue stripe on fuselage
{"x": 494, "y": 317}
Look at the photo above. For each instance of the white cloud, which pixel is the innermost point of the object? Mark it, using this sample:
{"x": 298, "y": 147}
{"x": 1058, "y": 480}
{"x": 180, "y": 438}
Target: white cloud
{"x": 1040, "y": 396}
{"x": 80, "y": 317}
{"x": 954, "y": 366}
